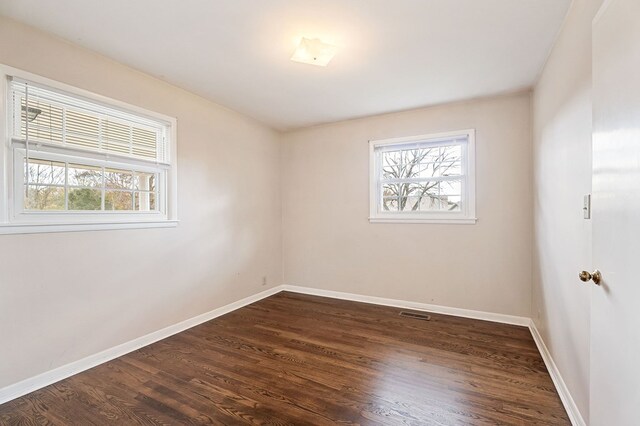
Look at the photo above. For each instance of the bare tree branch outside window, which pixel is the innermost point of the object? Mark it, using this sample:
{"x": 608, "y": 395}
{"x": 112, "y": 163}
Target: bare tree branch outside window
{"x": 421, "y": 179}
{"x": 59, "y": 186}
{"x": 46, "y": 185}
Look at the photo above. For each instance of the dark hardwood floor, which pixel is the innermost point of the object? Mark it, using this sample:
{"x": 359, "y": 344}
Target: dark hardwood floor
{"x": 296, "y": 359}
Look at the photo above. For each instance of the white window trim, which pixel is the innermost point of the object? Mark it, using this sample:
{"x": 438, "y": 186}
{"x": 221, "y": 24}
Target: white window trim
{"x": 467, "y": 216}
{"x": 36, "y": 222}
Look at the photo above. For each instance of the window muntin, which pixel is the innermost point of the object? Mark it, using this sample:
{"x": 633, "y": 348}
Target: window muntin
{"x": 423, "y": 178}
{"x": 65, "y": 186}
{"x": 97, "y": 163}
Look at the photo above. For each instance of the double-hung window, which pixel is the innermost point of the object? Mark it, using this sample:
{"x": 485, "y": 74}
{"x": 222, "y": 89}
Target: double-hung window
{"x": 74, "y": 160}
{"x": 428, "y": 178}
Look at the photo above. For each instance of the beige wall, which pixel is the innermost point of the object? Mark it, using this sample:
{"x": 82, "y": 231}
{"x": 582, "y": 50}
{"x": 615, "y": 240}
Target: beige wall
{"x": 562, "y": 175}
{"x": 69, "y": 295}
{"x": 329, "y": 243}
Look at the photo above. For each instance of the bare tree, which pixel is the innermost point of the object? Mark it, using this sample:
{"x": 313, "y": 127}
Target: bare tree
{"x": 413, "y": 164}
{"x": 45, "y": 197}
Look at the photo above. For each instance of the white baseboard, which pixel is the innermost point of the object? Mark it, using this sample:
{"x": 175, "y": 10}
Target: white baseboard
{"x": 569, "y": 404}
{"x": 47, "y": 378}
{"x": 437, "y": 309}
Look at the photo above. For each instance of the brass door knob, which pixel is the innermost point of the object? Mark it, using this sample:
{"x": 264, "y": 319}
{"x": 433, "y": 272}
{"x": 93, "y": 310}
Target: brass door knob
{"x": 596, "y": 276}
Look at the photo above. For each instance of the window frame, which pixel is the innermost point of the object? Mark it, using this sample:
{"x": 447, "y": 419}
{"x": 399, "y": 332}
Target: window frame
{"x": 15, "y": 220}
{"x": 467, "y": 215}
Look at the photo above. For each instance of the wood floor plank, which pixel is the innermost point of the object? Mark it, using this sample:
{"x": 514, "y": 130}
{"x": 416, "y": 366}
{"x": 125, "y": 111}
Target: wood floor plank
{"x": 294, "y": 359}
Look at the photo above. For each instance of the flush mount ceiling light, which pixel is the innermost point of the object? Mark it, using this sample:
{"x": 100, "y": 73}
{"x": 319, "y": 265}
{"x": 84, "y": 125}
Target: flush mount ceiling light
{"x": 313, "y": 52}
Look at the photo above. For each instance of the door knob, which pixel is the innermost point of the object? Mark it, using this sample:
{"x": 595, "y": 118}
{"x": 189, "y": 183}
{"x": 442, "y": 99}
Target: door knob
{"x": 596, "y": 276}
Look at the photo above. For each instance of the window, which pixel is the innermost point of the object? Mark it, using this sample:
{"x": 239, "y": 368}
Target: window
{"x": 74, "y": 160}
{"x": 423, "y": 179}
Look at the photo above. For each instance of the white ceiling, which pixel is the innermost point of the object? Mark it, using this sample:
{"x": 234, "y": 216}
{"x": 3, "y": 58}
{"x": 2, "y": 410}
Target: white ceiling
{"x": 393, "y": 55}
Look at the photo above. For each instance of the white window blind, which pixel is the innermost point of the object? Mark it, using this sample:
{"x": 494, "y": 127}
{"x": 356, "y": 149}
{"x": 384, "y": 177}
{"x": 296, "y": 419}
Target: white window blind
{"x": 47, "y": 116}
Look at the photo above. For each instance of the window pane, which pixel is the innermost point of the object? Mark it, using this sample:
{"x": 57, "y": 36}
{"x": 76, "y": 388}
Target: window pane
{"x": 391, "y": 164}
{"x": 145, "y": 201}
{"x": 427, "y": 170}
{"x": 44, "y": 197}
{"x": 451, "y": 153}
{"x": 392, "y": 157}
{"x": 390, "y": 204}
{"x": 144, "y": 181}
{"x": 403, "y": 189}
{"x": 410, "y": 204}
{"x": 410, "y": 157}
{"x": 431, "y": 155}
{"x": 89, "y": 176}
{"x": 447, "y": 162}
{"x": 455, "y": 203}
{"x": 404, "y": 164}
{"x": 424, "y": 170}
{"x": 118, "y": 179}
{"x": 390, "y": 189}
{"x": 445, "y": 195}
{"x": 423, "y": 196}
{"x": 411, "y": 169}
{"x": 412, "y": 189}
{"x": 118, "y": 200}
{"x": 450, "y": 187}
{"x": 428, "y": 197}
{"x": 430, "y": 202}
{"x": 43, "y": 171}
{"x": 415, "y": 197}
{"x": 451, "y": 195}
{"x": 422, "y": 163}
{"x": 85, "y": 199}
{"x": 453, "y": 168}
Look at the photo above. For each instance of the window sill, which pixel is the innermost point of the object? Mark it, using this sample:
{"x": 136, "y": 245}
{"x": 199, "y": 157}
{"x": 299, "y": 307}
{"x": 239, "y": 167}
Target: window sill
{"x": 454, "y": 221}
{"x": 36, "y": 228}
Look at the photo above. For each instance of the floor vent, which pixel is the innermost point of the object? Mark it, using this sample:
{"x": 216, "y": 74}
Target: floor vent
{"x": 415, "y": 315}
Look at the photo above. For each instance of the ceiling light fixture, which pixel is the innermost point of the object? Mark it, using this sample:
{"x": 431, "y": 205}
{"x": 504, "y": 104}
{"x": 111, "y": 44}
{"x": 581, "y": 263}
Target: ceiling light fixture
{"x": 313, "y": 52}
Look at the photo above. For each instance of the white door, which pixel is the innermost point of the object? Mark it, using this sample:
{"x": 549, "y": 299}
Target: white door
{"x": 615, "y": 312}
